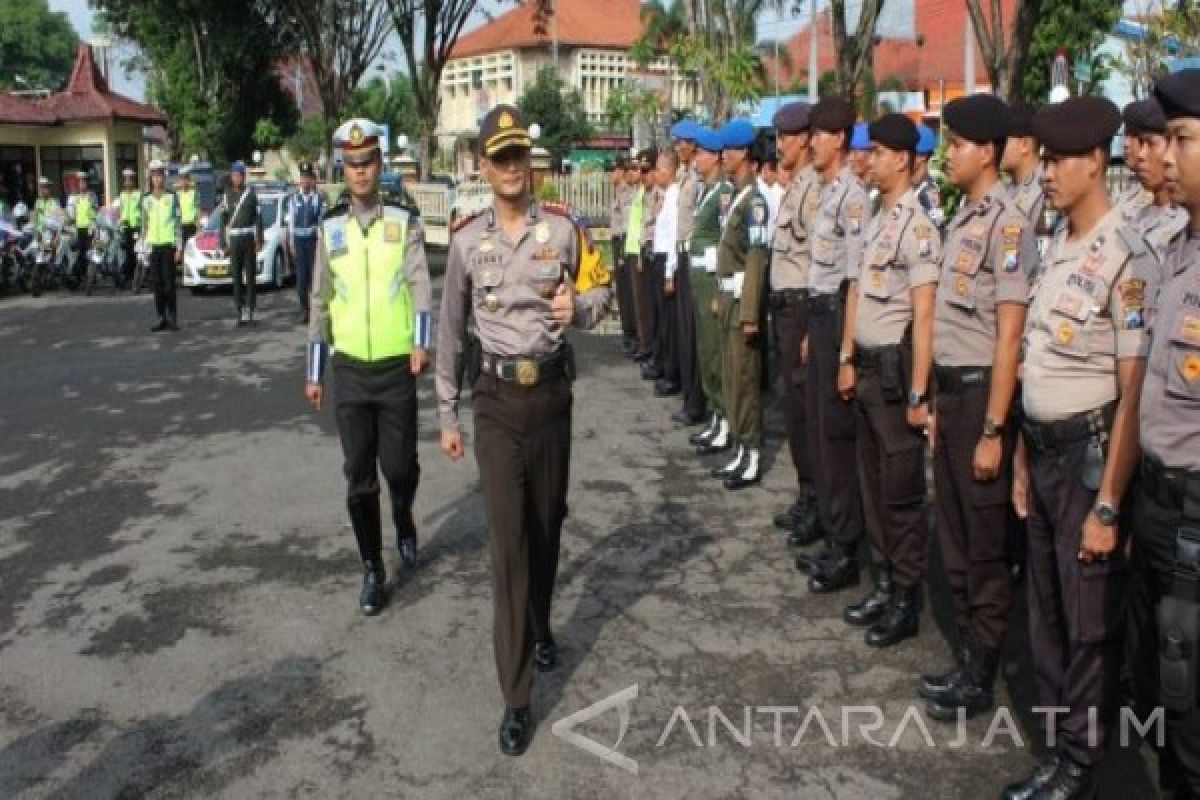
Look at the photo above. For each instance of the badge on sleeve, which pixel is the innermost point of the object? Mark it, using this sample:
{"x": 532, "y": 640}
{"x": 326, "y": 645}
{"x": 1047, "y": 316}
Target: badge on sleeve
{"x": 1189, "y": 367}
{"x": 924, "y": 243}
{"x": 1133, "y": 304}
{"x": 855, "y": 214}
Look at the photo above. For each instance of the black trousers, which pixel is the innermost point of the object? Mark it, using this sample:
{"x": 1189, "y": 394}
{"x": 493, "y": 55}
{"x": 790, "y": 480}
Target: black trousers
{"x": 685, "y": 341}
{"x": 789, "y": 313}
{"x": 624, "y": 281}
{"x": 189, "y": 230}
{"x": 83, "y": 241}
{"x": 666, "y": 352}
{"x": 523, "y": 448}
{"x": 128, "y": 242}
{"x": 647, "y": 291}
{"x": 831, "y": 430}
{"x": 306, "y": 253}
{"x": 162, "y": 274}
{"x": 1076, "y": 611}
{"x": 242, "y": 266}
{"x": 376, "y": 410}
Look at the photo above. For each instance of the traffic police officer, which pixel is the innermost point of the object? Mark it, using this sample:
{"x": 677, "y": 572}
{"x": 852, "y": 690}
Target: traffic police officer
{"x": 892, "y": 320}
{"x": 691, "y": 192}
{"x": 81, "y": 207}
{"x": 130, "y": 204}
{"x": 1165, "y": 504}
{"x": 161, "y": 239}
{"x": 308, "y": 207}
{"x": 189, "y": 211}
{"x": 510, "y": 268}
{"x": 702, "y": 259}
{"x": 980, "y": 315}
{"x": 1161, "y": 219}
{"x": 46, "y": 204}
{"x": 788, "y": 300}
{"x": 370, "y": 302}
{"x": 1085, "y": 346}
{"x": 742, "y": 255}
{"x": 837, "y": 245}
{"x": 242, "y": 234}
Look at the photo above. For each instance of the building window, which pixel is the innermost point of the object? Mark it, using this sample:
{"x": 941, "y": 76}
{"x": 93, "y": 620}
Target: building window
{"x": 18, "y": 180}
{"x": 127, "y": 158}
{"x": 58, "y": 162}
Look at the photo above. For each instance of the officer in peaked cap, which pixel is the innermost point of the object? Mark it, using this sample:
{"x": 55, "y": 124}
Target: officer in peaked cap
{"x": 682, "y": 363}
{"x": 308, "y": 207}
{"x": 512, "y": 268}
{"x": 377, "y": 321}
{"x": 242, "y": 236}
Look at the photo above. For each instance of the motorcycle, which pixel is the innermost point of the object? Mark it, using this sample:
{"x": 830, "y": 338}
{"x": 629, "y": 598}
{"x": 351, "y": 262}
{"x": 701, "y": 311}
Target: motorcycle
{"x": 13, "y": 272}
{"x": 104, "y": 258}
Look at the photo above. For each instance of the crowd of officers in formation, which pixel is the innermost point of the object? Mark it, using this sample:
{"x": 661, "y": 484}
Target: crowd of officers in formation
{"x": 1043, "y": 343}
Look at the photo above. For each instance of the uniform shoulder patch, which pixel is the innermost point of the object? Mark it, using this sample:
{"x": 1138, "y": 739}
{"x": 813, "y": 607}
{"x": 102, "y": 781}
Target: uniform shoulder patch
{"x": 463, "y": 222}
{"x": 339, "y": 209}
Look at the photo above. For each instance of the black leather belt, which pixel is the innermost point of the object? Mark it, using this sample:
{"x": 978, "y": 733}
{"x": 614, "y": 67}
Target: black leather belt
{"x": 524, "y": 371}
{"x": 787, "y": 297}
{"x": 1043, "y": 436}
{"x": 1171, "y": 487}
{"x": 956, "y": 380}
{"x": 870, "y": 359}
{"x": 824, "y": 303}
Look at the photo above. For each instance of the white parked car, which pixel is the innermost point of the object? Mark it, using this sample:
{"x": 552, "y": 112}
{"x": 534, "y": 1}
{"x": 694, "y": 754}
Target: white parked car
{"x": 206, "y": 264}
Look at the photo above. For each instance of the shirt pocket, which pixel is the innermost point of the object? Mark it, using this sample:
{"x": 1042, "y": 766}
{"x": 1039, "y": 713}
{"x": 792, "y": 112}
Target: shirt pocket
{"x": 1183, "y": 359}
{"x": 1068, "y": 321}
{"x": 488, "y": 284}
{"x": 546, "y": 272}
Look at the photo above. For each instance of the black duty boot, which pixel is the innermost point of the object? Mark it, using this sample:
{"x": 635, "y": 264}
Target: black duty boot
{"x": 804, "y": 509}
{"x": 808, "y": 533}
{"x": 870, "y": 608}
{"x": 900, "y": 621}
{"x": 373, "y": 596}
{"x": 809, "y": 562}
{"x": 516, "y": 731}
{"x": 406, "y": 531}
{"x": 368, "y": 533}
{"x": 975, "y": 690}
{"x": 545, "y": 654}
{"x": 1041, "y": 775}
{"x": 835, "y": 573}
{"x": 934, "y": 685}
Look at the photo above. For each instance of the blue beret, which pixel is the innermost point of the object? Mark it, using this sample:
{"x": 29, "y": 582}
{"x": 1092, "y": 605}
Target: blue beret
{"x": 738, "y": 133}
{"x": 926, "y": 140}
{"x": 708, "y": 139}
{"x": 238, "y": 166}
{"x": 861, "y": 139}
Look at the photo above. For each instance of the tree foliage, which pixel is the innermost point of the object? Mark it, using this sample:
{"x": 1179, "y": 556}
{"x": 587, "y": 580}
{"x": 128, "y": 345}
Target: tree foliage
{"x": 388, "y": 101}
{"x": 36, "y": 44}
{"x": 1076, "y": 26}
{"x": 558, "y": 111}
{"x": 1170, "y": 31}
{"x": 719, "y": 52}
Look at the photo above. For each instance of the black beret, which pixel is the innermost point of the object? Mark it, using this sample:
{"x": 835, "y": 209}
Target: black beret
{"x": 504, "y": 126}
{"x": 1144, "y": 116}
{"x": 792, "y": 118}
{"x": 832, "y": 114}
{"x": 1076, "y": 125}
{"x": 647, "y": 159}
{"x": 1179, "y": 93}
{"x": 980, "y": 118}
{"x": 895, "y": 132}
{"x": 1020, "y": 122}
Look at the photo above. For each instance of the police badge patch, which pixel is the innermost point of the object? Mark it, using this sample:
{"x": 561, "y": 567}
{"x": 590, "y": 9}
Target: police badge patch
{"x": 337, "y": 241}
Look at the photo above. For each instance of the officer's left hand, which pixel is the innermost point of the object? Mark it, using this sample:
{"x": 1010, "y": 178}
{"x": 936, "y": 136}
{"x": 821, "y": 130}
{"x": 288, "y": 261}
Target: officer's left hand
{"x": 845, "y": 382}
{"x": 1099, "y": 540}
{"x": 669, "y": 288}
{"x": 749, "y": 331}
{"x": 563, "y": 305}
{"x": 988, "y": 453}
{"x": 417, "y": 360}
{"x": 918, "y": 418}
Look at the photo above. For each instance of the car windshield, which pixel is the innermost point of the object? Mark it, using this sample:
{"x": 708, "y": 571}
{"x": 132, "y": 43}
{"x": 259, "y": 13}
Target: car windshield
{"x": 214, "y": 220}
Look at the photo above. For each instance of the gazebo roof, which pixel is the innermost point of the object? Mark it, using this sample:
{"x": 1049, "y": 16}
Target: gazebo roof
{"x": 87, "y": 98}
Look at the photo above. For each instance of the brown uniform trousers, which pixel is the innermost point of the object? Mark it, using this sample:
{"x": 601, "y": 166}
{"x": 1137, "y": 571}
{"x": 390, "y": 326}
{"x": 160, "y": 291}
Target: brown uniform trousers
{"x": 523, "y": 447}
{"x": 789, "y": 310}
{"x": 647, "y": 291}
{"x": 972, "y": 516}
{"x": 623, "y": 278}
{"x": 685, "y": 341}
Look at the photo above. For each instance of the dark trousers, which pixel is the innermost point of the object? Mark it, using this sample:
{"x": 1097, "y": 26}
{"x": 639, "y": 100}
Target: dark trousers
{"x": 1155, "y": 528}
{"x": 128, "y": 242}
{"x": 790, "y": 315}
{"x": 1075, "y": 609}
{"x": 306, "y": 253}
{"x": 523, "y": 447}
{"x": 83, "y": 241}
{"x": 243, "y": 267}
{"x": 831, "y": 426}
{"x": 891, "y": 474}
{"x": 647, "y": 289}
{"x": 189, "y": 230}
{"x": 162, "y": 274}
{"x": 666, "y": 348}
{"x": 685, "y": 341}
{"x": 624, "y": 281}
{"x": 972, "y": 518}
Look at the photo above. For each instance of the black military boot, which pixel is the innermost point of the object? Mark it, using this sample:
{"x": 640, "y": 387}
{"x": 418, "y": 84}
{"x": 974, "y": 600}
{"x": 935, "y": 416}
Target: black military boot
{"x": 871, "y": 608}
{"x": 373, "y": 596}
{"x": 809, "y": 562}
{"x": 719, "y": 442}
{"x": 1041, "y": 775}
{"x": 900, "y": 621}
{"x": 800, "y": 513}
{"x": 835, "y": 573}
{"x": 702, "y": 437}
{"x": 810, "y": 532}
{"x": 406, "y": 530}
{"x": 364, "y": 517}
{"x": 516, "y": 731}
{"x": 934, "y": 685}
{"x": 974, "y": 692}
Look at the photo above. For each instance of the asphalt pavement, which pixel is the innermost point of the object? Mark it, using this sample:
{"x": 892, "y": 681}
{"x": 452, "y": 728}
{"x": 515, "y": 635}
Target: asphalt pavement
{"x": 178, "y": 591}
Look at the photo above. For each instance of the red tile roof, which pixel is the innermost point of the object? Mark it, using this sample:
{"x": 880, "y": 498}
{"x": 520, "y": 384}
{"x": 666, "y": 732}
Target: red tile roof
{"x": 88, "y": 98}
{"x": 19, "y": 111}
{"x": 581, "y": 23}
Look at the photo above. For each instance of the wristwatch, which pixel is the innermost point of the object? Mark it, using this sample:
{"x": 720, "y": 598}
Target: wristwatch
{"x": 992, "y": 429}
{"x": 845, "y": 359}
{"x": 916, "y": 399}
{"x": 1105, "y": 513}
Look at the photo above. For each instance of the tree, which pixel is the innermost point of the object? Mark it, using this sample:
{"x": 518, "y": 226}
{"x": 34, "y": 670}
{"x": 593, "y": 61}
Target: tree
{"x": 855, "y": 51}
{"x": 308, "y": 141}
{"x": 558, "y": 111}
{"x": 1005, "y": 53}
{"x": 1083, "y": 24}
{"x": 719, "y": 52}
{"x": 1169, "y": 32}
{"x": 37, "y": 45}
{"x": 388, "y": 101}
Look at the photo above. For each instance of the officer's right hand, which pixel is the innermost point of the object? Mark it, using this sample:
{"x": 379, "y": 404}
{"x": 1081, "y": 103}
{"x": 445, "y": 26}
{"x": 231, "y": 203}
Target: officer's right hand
{"x": 452, "y": 445}
{"x": 314, "y": 392}
{"x": 845, "y": 382}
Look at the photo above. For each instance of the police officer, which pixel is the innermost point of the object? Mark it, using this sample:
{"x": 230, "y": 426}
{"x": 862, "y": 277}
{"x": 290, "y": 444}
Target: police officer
{"x": 511, "y": 267}
{"x": 46, "y": 204}
{"x": 618, "y": 215}
{"x": 742, "y": 255}
{"x": 691, "y": 192}
{"x": 1160, "y": 220}
{"x": 927, "y": 189}
{"x": 860, "y": 152}
{"x": 647, "y": 275}
{"x": 161, "y": 239}
{"x": 837, "y": 244}
{"x": 665, "y": 251}
{"x": 1085, "y": 346}
{"x": 980, "y": 314}
{"x": 81, "y": 208}
{"x": 891, "y": 315}
{"x": 242, "y": 233}
{"x": 1134, "y": 197}
{"x": 130, "y": 204}
{"x": 378, "y": 321}
{"x": 716, "y": 199}
{"x": 788, "y": 301}
{"x": 308, "y": 207}
{"x": 189, "y": 211}
{"x": 1022, "y": 163}
{"x": 1165, "y": 502}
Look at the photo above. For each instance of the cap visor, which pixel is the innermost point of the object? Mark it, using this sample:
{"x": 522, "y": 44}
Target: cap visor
{"x": 502, "y": 141}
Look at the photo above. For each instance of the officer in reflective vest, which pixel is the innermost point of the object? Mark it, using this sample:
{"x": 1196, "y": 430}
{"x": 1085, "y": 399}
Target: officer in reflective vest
{"x": 370, "y": 300}
{"x": 307, "y": 208}
{"x": 130, "y": 203}
{"x": 46, "y": 204}
{"x": 185, "y": 190}
{"x": 161, "y": 237}
{"x": 81, "y": 207}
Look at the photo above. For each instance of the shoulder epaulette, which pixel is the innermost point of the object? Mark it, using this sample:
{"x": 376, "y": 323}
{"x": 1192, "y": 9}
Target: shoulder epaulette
{"x": 1133, "y": 239}
{"x": 404, "y": 205}
{"x": 558, "y": 208}
{"x": 463, "y": 222}
{"x": 338, "y": 209}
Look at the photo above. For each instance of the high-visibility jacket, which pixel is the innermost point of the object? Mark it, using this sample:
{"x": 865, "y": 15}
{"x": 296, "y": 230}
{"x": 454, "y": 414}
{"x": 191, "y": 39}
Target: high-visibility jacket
{"x": 187, "y": 205}
{"x": 85, "y": 211}
{"x": 131, "y": 208}
{"x": 43, "y": 208}
{"x": 162, "y": 219}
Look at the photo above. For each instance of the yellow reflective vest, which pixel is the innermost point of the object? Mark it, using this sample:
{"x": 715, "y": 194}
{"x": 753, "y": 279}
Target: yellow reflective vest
{"x": 187, "y": 205}
{"x": 85, "y": 211}
{"x": 162, "y": 216}
{"x": 131, "y": 208}
{"x": 371, "y": 308}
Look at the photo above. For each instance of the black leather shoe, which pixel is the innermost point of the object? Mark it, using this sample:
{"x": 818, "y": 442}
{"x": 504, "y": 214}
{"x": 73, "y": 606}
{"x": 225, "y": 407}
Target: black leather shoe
{"x": 650, "y": 372}
{"x": 545, "y": 655}
{"x": 373, "y": 597}
{"x": 665, "y": 388}
{"x": 702, "y": 437}
{"x": 408, "y": 551}
{"x": 161, "y": 326}
{"x": 808, "y": 563}
{"x": 731, "y": 468}
{"x": 712, "y": 449}
{"x": 642, "y": 358}
{"x": 804, "y": 534}
{"x": 900, "y": 621}
{"x": 934, "y": 685}
{"x": 686, "y": 420}
{"x": 834, "y": 574}
{"x": 1042, "y": 774}
{"x": 516, "y": 731}
{"x": 784, "y": 520}
{"x": 870, "y": 608}
{"x": 1071, "y": 781}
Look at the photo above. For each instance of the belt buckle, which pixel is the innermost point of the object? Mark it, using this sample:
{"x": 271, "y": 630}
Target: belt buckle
{"x": 527, "y": 372}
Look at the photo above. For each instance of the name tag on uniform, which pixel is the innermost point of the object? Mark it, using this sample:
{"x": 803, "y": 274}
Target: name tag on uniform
{"x": 546, "y": 254}
{"x": 549, "y": 272}
{"x": 1071, "y": 305}
{"x": 485, "y": 261}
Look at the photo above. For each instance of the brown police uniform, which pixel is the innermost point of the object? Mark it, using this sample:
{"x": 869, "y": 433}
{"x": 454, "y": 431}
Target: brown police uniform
{"x": 691, "y": 188}
{"x": 623, "y": 272}
{"x": 648, "y": 279}
{"x": 1159, "y": 224}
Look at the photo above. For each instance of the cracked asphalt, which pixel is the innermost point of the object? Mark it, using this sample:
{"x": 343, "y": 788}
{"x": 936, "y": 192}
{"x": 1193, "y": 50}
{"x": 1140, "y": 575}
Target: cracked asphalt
{"x": 178, "y": 592}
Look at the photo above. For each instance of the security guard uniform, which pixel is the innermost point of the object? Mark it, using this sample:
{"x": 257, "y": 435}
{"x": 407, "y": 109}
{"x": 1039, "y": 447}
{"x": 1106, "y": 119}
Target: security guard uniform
{"x": 161, "y": 237}
{"x": 242, "y": 232}
{"x": 130, "y": 204}
{"x": 520, "y": 369}
{"x": 691, "y": 192}
{"x": 1087, "y": 313}
{"x": 306, "y": 212}
{"x": 370, "y": 300}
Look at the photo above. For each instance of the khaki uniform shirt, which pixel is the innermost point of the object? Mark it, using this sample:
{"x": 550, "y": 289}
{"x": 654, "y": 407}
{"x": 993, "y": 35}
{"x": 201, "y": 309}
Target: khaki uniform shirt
{"x": 838, "y": 233}
{"x": 744, "y": 249}
{"x": 791, "y": 254}
{"x": 1170, "y": 407}
{"x": 618, "y": 210}
{"x": 902, "y": 251}
{"x": 1030, "y": 199}
{"x": 508, "y": 287}
{"x": 652, "y": 200}
{"x": 1160, "y": 225}
{"x": 1087, "y": 310}
{"x": 989, "y": 256}
{"x": 691, "y": 189}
